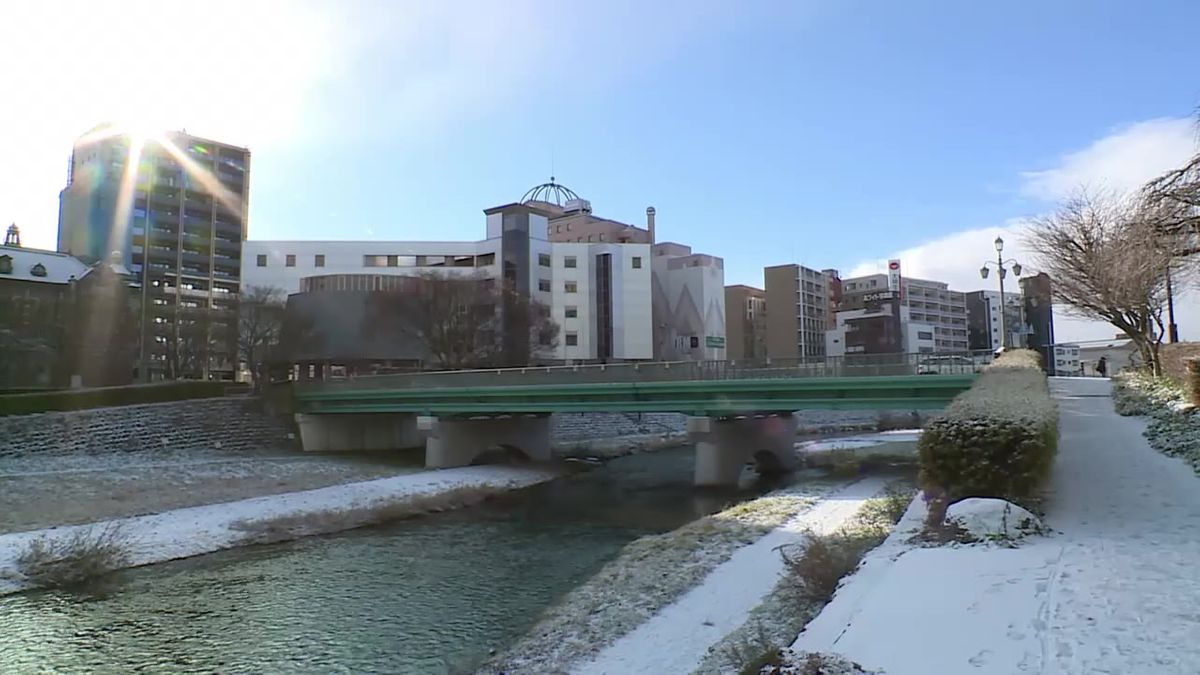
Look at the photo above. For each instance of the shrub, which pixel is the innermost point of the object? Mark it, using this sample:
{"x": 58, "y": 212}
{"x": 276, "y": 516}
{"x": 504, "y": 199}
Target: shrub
{"x": 85, "y": 554}
{"x": 995, "y": 440}
{"x": 82, "y": 399}
{"x": 818, "y": 568}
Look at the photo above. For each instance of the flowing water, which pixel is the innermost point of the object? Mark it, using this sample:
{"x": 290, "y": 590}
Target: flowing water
{"x": 431, "y": 595}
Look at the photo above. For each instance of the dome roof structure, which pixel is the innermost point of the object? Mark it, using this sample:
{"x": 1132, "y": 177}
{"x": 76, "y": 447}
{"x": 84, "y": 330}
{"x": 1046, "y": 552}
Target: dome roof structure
{"x": 550, "y": 193}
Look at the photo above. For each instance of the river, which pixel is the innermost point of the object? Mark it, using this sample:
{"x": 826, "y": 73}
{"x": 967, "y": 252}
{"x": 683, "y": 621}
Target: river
{"x": 430, "y": 595}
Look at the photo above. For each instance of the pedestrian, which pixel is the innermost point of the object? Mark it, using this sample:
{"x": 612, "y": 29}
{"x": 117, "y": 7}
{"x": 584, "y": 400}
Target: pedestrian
{"x": 1102, "y": 366}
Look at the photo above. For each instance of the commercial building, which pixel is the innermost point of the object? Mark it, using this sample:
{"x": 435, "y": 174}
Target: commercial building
{"x": 745, "y": 323}
{"x": 688, "y": 304}
{"x": 799, "y": 310}
{"x": 688, "y": 289}
{"x": 598, "y": 292}
{"x": 877, "y": 323}
{"x": 172, "y": 210}
{"x": 983, "y": 320}
{"x": 930, "y": 303}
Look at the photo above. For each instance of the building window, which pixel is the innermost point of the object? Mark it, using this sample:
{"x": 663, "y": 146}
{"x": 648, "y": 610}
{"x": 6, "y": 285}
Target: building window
{"x": 572, "y": 339}
{"x": 544, "y": 285}
{"x": 637, "y": 262}
{"x": 290, "y": 260}
{"x": 601, "y": 235}
{"x": 924, "y": 335}
{"x": 393, "y": 261}
{"x": 319, "y": 260}
{"x": 5, "y": 264}
{"x": 571, "y": 312}
{"x": 261, "y": 260}
{"x": 543, "y": 260}
{"x": 570, "y": 287}
{"x": 485, "y": 259}
{"x": 569, "y": 261}
{"x": 372, "y": 261}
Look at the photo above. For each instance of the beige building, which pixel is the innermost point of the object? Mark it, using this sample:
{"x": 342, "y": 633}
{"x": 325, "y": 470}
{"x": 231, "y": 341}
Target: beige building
{"x": 745, "y": 323}
{"x": 799, "y": 305}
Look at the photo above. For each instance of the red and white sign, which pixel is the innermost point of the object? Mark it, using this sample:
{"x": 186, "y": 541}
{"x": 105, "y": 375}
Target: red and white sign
{"x": 894, "y": 277}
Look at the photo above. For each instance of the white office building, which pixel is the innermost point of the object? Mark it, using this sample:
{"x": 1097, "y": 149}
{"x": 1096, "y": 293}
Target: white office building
{"x": 599, "y": 293}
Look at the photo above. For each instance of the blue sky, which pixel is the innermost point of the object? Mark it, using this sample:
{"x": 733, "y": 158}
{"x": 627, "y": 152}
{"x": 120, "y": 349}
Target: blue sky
{"x": 828, "y": 133}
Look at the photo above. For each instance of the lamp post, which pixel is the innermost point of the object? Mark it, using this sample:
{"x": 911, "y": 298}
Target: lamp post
{"x": 1000, "y": 264}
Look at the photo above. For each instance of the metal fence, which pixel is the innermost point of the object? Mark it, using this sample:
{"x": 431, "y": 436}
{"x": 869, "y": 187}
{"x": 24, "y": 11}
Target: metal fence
{"x": 856, "y": 365}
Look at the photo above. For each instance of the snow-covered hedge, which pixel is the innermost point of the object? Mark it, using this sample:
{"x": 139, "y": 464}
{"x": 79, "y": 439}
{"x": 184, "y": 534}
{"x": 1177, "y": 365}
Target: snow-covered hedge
{"x": 1173, "y": 428}
{"x": 995, "y": 440}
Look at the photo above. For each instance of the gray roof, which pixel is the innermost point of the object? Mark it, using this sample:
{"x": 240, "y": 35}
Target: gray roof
{"x": 60, "y": 267}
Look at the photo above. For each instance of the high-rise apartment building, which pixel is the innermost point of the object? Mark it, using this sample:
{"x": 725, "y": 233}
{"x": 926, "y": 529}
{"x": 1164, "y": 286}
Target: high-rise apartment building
{"x": 172, "y": 210}
{"x": 799, "y": 304}
{"x": 928, "y": 302}
{"x": 745, "y": 323}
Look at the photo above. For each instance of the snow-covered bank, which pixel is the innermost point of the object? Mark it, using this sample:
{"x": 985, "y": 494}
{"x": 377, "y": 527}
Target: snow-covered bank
{"x": 676, "y": 639}
{"x": 649, "y": 574}
{"x": 1113, "y": 590}
{"x": 202, "y": 529}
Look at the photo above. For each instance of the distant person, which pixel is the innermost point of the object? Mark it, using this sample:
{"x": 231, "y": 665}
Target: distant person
{"x": 1102, "y": 366}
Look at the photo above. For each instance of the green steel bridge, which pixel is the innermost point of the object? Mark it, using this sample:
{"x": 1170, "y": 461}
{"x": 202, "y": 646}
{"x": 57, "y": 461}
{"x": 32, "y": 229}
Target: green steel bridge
{"x": 709, "y": 388}
{"x": 738, "y": 410}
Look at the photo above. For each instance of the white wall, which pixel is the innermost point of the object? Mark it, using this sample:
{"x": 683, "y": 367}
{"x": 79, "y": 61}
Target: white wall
{"x": 346, "y": 257}
{"x": 632, "y": 333}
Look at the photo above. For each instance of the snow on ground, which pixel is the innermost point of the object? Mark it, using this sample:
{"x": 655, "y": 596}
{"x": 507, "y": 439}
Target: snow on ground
{"x": 860, "y": 441}
{"x": 31, "y": 500}
{"x": 677, "y": 638}
{"x": 203, "y": 529}
{"x": 1114, "y": 590}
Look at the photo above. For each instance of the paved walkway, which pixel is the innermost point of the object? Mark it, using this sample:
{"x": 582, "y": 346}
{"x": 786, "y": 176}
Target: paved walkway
{"x": 1126, "y": 597}
{"x": 1116, "y": 590}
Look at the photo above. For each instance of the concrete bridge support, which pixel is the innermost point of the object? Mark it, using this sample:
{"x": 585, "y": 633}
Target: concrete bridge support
{"x": 358, "y": 431}
{"x": 724, "y": 445}
{"x": 457, "y": 441}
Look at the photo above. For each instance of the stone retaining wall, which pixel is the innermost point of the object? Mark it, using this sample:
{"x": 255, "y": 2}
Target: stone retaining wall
{"x": 228, "y": 424}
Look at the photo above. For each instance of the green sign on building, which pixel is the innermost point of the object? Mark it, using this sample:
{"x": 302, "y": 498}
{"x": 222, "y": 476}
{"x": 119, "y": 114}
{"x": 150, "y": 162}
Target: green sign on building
{"x": 714, "y": 341}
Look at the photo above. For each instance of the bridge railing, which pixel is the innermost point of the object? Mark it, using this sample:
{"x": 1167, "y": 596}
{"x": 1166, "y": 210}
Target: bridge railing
{"x": 854, "y": 365}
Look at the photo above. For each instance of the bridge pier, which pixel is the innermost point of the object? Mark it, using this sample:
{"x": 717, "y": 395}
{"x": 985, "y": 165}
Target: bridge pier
{"x": 725, "y": 444}
{"x": 457, "y": 441}
{"x": 358, "y": 431}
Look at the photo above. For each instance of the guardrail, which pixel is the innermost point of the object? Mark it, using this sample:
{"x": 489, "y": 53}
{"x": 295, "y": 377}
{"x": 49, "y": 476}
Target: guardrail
{"x": 960, "y": 363}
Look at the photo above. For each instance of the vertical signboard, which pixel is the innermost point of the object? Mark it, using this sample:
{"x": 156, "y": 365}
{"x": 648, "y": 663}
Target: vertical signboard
{"x": 894, "y": 278}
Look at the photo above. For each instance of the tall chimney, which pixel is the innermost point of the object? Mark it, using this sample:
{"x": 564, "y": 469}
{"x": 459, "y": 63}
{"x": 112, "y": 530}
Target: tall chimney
{"x": 650, "y": 222}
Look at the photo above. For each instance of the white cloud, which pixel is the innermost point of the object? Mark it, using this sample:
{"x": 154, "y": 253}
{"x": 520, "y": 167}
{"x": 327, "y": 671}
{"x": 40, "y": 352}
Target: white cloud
{"x": 1123, "y": 160}
{"x": 1119, "y": 162}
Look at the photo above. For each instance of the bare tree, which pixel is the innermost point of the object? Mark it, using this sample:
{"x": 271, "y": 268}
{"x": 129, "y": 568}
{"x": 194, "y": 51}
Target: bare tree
{"x": 467, "y": 321}
{"x": 1108, "y": 259}
{"x": 1176, "y": 196}
{"x": 260, "y": 326}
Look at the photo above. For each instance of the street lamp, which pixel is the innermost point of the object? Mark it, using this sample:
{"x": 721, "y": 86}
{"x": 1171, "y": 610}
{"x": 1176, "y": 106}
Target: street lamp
{"x": 1000, "y": 263}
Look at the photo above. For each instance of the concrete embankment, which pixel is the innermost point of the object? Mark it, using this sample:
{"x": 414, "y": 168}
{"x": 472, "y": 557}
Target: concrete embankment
{"x": 203, "y": 529}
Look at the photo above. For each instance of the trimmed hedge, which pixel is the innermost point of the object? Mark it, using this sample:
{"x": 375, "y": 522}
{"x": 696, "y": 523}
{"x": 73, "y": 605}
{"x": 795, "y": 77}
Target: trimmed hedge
{"x": 996, "y": 439}
{"x": 82, "y": 399}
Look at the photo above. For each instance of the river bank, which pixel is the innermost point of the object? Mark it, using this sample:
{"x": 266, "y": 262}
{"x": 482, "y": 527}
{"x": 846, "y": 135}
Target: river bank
{"x": 698, "y": 581}
{"x": 196, "y": 530}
